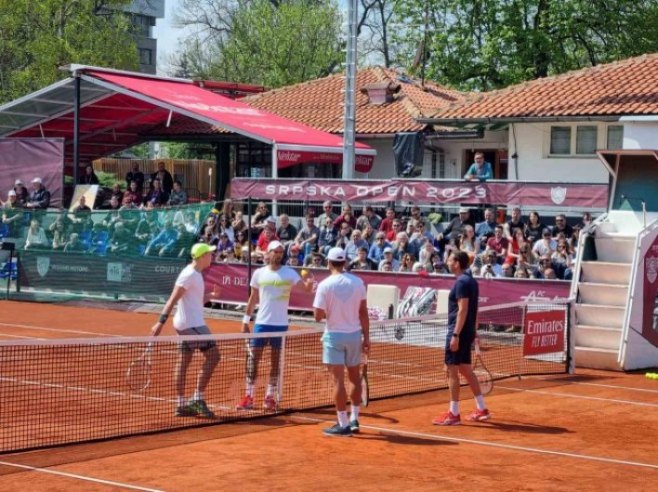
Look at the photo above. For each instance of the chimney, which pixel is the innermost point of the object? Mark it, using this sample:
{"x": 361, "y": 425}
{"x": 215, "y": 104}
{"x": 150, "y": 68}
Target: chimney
{"x": 380, "y": 92}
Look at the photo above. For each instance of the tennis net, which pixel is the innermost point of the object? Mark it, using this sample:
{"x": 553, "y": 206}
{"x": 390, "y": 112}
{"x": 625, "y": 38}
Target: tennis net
{"x": 77, "y": 390}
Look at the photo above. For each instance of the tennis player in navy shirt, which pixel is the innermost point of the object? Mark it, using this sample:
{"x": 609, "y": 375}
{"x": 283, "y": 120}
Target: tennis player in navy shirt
{"x": 462, "y": 324}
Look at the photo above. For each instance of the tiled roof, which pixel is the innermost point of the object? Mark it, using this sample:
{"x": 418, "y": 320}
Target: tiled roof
{"x": 627, "y": 87}
{"x": 319, "y": 103}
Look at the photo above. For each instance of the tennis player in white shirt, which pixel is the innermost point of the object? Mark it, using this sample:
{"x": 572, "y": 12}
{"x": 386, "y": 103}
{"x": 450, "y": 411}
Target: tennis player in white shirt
{"x": 341, "y": 301}
{"x": 189, "y": 295}
{"x": 271, "y": 286}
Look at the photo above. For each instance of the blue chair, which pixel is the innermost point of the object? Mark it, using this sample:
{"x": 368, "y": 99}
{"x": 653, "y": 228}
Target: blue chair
{"x": 9, "y": 270}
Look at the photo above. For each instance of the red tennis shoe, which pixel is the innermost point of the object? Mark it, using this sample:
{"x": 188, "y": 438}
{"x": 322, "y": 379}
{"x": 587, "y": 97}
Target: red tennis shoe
{"x": 479, "y": 415}
{"x": 447, "y": 419}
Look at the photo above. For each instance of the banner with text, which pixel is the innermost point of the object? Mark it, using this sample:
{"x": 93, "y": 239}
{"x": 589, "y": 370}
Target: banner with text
{"x": 232, "y": 280}
{"x": 544, "y": 332}
{"x": 132, "y": 277}
{"x": 576, "y": 195}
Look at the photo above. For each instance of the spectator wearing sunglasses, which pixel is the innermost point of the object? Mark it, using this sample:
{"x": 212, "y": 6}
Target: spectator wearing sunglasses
{"x": 561, "y": 226}
{"x": 376, "y": 252}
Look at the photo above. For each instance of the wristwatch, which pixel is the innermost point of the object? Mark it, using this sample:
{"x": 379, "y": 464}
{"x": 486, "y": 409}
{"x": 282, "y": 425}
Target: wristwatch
{"x": 455, "y": 334}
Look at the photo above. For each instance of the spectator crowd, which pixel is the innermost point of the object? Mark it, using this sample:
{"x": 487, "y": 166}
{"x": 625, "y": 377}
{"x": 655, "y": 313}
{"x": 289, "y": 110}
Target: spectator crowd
{"x": 142, "y": 220}
{"x": 520, "y": 247}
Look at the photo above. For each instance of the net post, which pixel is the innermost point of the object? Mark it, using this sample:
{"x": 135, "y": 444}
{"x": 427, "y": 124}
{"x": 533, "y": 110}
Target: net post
{"x": 282, "y": 359}
{"x": 570, "y": 362}
{"x": 524, "y": 312}
{"x": 249, "y": 246}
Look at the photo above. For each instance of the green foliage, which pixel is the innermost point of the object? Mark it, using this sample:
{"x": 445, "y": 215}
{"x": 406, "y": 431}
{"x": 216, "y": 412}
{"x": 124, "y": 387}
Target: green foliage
{"x": 184, "y": 150}
{"x": 37, "y": 37}
{"x": 487, "y": 44}
{"x": 108, "y": 180}
{"x": 269, "y": 43}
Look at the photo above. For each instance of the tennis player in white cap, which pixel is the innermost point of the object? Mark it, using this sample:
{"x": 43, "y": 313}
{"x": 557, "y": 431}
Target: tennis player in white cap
{"x": 341, "y": 301}
{"x": 271, "y": 286}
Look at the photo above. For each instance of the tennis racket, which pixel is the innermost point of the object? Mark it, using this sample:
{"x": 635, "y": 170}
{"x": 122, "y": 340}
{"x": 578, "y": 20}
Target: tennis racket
{"x": 139, "y": 372}
{"x": 480, "y": 370}
{"x": 365, "y": 390}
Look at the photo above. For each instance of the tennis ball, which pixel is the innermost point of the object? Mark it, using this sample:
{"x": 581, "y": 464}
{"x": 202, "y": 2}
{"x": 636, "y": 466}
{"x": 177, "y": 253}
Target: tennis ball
{"x": 652, "y": 375}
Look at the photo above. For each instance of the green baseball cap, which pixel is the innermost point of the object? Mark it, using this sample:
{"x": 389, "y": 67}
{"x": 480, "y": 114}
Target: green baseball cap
{"x": 200, "y": 249}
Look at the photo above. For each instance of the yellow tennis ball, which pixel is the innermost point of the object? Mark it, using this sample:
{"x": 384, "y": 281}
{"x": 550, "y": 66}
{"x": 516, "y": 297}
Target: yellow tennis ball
{"x": 304, "y": 273}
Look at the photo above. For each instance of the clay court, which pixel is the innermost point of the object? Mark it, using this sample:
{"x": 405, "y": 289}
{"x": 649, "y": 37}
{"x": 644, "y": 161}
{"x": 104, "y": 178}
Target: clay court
{"x": 590, "y": 431}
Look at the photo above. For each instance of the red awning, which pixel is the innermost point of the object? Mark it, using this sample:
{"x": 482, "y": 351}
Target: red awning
{"x": 119, "y": 109}
{"x": 290, "y": 137}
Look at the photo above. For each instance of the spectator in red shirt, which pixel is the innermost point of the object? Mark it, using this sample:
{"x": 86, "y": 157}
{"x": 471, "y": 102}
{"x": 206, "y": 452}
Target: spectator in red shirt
{"x": 498, "y": 243}
{"x": 268, "y": 235}
{"x": 132, "y": 197}
{"x": 393, "y": 233}
{"x": 387, "y": 223}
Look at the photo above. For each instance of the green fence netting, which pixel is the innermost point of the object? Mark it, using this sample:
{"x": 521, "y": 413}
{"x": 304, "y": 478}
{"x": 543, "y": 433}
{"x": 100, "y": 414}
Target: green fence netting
{"x": 122, "y": 254}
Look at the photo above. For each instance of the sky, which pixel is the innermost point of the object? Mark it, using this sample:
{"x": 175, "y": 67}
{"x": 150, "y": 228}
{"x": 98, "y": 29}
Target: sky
{"x": 167, "y": 35}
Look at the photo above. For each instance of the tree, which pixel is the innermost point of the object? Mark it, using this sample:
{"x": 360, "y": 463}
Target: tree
{"x": 486, "y": 44}
{"x": 265, "y": 42}
{"x": 37, "y": 37}
{"x": 375, "y": 32}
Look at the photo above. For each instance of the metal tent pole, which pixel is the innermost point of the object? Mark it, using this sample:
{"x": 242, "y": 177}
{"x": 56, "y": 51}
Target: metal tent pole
{"x": 349, "y": 123}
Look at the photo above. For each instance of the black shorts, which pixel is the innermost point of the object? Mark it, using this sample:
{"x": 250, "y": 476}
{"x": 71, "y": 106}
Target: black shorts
{"x": 203, "y": 345}
{"x": 463, "y": 354}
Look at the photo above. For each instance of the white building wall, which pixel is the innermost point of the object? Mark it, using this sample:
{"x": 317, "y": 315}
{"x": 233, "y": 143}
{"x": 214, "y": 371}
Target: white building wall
{"x": 531, "y": 143}
{"x": 641, "y": 135}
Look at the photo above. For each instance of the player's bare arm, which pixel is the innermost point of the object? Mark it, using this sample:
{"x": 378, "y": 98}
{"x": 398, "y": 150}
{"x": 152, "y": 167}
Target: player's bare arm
{"x": 175, "y": 296}
{"x": 249, "y": 310}
{"x": 365, "y": 326}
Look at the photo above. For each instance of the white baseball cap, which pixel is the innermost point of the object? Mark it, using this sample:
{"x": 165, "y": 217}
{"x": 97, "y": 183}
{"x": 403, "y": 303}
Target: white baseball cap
{"x": 271, "y": 220}
{"x": 336, "y": 254}
{"x": 388, "y": 250}
{"x": 273, "y": 245}
{"x": 11, "y": 193}
{"x": 37, "y": 180}
{"x": 18, "y": 182}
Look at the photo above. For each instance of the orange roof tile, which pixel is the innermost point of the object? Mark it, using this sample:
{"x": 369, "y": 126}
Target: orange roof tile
{"x": 319, "y": 103}
{"x": 627, "y": 87}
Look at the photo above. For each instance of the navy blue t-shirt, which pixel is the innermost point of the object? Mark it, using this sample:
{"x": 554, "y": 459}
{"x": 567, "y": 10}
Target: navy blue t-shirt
{"x": 465, "y": 287}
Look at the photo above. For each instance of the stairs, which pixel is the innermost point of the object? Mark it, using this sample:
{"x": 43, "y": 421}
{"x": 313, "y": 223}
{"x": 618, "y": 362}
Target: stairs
{"x": 601, "y": 300}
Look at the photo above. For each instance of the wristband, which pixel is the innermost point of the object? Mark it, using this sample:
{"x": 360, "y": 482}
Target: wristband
{"x": 246, "y": 319}
{"x": 163, "y": 318}
{"x": 455, "y": 334}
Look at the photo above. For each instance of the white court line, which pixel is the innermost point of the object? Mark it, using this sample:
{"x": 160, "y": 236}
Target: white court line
{"x": 439, "y": 437}
{"x": 79, "y": 477}
{"x": 582, "y": 397}
{"x": 615, "y": 386}
{"x": 59, "y": 330}
{"x": 21, "y": 336}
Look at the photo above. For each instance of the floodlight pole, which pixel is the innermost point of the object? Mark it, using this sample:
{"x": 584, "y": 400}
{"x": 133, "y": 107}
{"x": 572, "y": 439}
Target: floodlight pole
{"x": 76, "y": 129}
{"x": 349, "y": 123}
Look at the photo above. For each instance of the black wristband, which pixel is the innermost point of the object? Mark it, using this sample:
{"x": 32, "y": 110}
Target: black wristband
{"x": 455, "y": 334}
{"x": 163, "y": 318}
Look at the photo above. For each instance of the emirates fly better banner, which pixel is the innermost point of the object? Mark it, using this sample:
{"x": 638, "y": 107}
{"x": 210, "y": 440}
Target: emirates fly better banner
{"x": 576, "y": 195}
{"x": 544, "y": 332}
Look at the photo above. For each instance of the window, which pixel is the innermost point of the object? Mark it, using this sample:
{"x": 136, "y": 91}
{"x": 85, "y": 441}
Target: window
{"x": 560, "y": 140}
{"x": 586, "y": 140}
{"x": 576, "y": 140}
{"x": 145, "y": 56}
{"x": 615, "y": 137}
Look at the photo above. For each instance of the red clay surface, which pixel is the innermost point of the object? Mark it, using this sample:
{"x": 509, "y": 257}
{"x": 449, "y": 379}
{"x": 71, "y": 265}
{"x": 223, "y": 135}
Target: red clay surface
{"x": 590, "y": 431}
